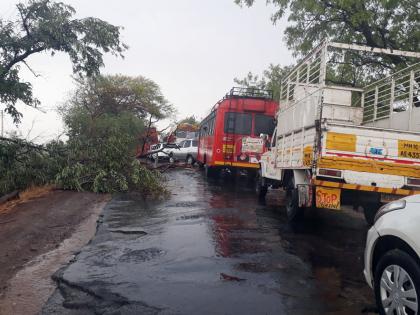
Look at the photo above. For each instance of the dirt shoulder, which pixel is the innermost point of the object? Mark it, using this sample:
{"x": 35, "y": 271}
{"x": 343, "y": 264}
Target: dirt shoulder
{"x": 40, "y": 225}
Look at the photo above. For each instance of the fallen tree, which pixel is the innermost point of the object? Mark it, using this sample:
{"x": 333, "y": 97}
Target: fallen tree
{"x": 103, "y": 120}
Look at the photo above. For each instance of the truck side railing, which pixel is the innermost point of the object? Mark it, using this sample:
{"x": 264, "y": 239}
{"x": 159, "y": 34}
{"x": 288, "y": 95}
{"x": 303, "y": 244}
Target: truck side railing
{"x": 378, "y": 102}
{"x": 397, "y": 93}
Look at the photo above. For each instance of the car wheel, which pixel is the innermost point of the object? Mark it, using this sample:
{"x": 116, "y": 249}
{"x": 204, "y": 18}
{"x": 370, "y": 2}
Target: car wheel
{"x": 260, "y": 186}
{"x": 190, "y": 160}
{"x": 397, "y": 283}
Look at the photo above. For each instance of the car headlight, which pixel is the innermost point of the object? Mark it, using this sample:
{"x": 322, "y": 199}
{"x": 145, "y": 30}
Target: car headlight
{"x": 392, "y": 206}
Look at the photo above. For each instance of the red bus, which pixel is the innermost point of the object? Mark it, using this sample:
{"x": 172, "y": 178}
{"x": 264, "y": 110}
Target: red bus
{"x": 229, "y": 137}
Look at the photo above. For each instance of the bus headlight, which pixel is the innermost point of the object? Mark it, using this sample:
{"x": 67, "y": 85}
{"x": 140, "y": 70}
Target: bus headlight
{"x": 392, "y": 206}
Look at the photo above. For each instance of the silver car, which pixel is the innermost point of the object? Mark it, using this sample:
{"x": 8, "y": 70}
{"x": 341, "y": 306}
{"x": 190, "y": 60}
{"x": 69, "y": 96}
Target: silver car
{"x": 185, "y": 151}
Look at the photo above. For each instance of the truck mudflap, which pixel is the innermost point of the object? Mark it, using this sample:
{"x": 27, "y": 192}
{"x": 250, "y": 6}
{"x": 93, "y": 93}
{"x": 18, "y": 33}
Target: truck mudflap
{"x": 305, "y": 193}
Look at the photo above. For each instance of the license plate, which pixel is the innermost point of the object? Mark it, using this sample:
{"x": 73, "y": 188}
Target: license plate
{"x": 385, "y": 198}
{"x": 328, "y": 198}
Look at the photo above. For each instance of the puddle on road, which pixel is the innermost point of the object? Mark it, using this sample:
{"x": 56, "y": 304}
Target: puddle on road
{"x": 141, "y": 255}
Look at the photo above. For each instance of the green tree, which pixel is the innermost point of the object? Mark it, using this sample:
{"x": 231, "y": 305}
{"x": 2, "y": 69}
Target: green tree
{"x": 24, "y": 164}
{"x": 377, "y": 23}
{"x": 192, "y": 120}
{"x": 104, "y": 119}
{"x": 114, "y": 94}
{"x": 269, "y": 80}
{"x": 48, "y": 26}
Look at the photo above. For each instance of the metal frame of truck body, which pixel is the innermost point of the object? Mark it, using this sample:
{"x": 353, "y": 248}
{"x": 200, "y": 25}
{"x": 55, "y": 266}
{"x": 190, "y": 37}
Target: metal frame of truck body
{"x": 369, "y": 136}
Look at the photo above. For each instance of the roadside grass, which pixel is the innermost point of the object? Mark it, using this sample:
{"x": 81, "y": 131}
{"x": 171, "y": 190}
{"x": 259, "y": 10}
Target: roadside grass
{"x": 27, "y": 195}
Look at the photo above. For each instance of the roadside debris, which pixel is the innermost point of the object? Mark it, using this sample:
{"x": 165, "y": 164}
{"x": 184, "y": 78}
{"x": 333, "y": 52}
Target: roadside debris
{"x": 226, "y": 277}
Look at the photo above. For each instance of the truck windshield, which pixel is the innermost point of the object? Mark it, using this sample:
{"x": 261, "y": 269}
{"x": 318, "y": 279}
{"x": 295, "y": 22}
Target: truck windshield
{"x": 264, "y": 124}
{"x": 238, "y": 123}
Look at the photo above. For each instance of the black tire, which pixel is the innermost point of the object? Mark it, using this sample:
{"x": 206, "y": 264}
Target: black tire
{"x": 403, "y": 260}
{"x": 261, "y": 187}
{"x": 294, "y": 213}
{"x": 190, "y": 160}
{"x": 370, "y": 210}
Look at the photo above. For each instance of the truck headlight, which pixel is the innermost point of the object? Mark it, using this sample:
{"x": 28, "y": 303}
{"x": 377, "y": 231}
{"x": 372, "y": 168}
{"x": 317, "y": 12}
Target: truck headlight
{"x": 392, "y": 206}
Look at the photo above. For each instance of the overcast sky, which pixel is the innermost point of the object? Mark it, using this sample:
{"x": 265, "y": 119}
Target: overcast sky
{"x": 192, "y": 48}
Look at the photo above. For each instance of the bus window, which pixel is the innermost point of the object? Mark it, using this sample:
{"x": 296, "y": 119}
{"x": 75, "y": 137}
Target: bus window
{"x": 264, "y": 124}
{"x": 238, "y": 123}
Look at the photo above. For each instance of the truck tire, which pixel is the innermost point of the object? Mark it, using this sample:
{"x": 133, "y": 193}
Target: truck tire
{"x": 370, "y": 210}
{"x": 294, "y": 213}
{"x": 261, "y": 187}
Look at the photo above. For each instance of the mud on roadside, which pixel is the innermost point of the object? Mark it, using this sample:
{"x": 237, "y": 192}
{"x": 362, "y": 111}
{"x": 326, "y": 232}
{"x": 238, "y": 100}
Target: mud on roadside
{"x": 36, "y": 238}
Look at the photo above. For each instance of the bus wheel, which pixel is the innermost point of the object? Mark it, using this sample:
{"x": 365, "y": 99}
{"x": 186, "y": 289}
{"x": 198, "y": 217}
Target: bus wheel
{"x": 261, "y": 187}
{"x": 294, "y": 212}
{"x": 370, "y": 210}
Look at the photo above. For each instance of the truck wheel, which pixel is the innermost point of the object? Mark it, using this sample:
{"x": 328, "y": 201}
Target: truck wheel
{"x": 261, "y": 187}
{"x": 370, "y": 210}
{"x": 294, "y": 212}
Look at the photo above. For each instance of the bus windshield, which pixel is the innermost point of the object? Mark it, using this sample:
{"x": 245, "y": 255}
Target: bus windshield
{"x": 238, "y": 123}
{"x": 264, "y": 124}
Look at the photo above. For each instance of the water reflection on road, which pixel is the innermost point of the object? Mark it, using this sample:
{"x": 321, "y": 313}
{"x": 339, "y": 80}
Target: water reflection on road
{"x": 212, "y": 249}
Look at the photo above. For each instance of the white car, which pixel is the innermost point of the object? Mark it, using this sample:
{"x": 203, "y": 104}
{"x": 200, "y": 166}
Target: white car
{"x": 161, "y": 151}
{"x": 185, "y": 151}
{"x": 392, "y": 257}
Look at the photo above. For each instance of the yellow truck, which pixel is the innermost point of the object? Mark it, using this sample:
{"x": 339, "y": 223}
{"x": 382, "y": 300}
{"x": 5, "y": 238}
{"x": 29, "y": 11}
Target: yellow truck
{"x": 336, "y": 145}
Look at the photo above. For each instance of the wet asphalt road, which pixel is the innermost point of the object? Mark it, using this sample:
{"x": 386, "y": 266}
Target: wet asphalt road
{"x": 212, "y": 249}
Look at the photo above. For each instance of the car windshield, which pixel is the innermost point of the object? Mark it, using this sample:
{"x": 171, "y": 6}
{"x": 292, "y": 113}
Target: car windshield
{"x": 238, "y": 123}
{"x": 181, "y": 134}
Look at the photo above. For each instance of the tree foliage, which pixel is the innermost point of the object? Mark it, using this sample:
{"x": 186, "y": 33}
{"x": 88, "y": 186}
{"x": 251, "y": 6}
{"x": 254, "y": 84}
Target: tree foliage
{"x": 24, "y": 164}
{"x": 192, "y": 120}
{"x": 48, "y": 26}
{"x": 269, "y": 80}
{"x": 390, "y": 24}
{"x": 115, "y": 94}
{"x": 103, "y": 120}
